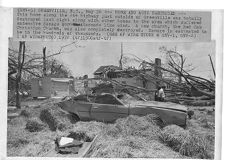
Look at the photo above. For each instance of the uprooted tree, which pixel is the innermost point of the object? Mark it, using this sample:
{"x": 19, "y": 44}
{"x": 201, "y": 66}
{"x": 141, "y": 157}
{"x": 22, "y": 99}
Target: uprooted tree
{"x": 182, "y": 81}
{"x": 178, "y": 59}
{"x": 201, "y": 85}
{"x": 176, "y": 63}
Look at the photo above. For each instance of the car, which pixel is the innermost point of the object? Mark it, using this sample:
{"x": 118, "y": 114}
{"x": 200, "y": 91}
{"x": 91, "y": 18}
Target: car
{"x": 108, "y": 107}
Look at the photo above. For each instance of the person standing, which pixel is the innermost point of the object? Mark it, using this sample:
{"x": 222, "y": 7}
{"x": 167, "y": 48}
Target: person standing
{"x": 157, "y": 94}
{"x": 161, "y": 94}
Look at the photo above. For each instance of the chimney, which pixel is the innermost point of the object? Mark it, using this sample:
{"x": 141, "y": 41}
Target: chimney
{"x": 157, "y": 71}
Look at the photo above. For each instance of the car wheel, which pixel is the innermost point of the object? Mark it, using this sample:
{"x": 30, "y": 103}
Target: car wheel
{"x": 74, "y": 117}
{"x": 160, "y": 122}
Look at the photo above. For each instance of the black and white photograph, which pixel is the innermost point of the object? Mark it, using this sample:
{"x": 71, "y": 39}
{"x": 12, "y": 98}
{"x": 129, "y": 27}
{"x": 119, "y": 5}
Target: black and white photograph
{"x": 94, "y": 82}
{"x": 111, "y": 99}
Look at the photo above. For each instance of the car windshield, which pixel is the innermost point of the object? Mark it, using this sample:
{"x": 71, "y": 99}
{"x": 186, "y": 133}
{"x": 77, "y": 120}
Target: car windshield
{"x": 101, "y": 99}
{"x": 84, "y": 98}
{"x": 107, "y": 99}
{"x": 127, "y": 99}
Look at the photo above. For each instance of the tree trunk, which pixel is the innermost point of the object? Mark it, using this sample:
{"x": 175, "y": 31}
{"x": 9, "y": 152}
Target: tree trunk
{"x": 44, "y": 62}
{"x": 181, "y": 68}
{"x": 18, "y": 75}
{"x": 17, "y": 93}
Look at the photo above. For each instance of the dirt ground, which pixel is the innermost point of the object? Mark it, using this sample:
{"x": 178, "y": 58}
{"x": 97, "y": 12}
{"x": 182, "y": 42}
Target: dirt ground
{"x": 128, "y": 137}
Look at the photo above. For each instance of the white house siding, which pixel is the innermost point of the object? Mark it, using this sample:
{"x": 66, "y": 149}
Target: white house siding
{"x": 50, "y": 87}
{"x": 60, "y": 89}
{"x": 41, "y": 87}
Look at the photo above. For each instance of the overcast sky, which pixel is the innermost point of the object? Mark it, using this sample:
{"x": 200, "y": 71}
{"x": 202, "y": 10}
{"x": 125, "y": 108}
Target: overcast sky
{"x": 90, "y": 55}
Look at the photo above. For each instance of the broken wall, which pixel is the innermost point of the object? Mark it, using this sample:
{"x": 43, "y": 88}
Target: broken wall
{"x": 41, "y": 87}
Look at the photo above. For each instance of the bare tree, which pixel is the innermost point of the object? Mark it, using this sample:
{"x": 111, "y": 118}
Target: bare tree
{"x": 33, "y": 63}
{"x": 57, "y": 69}
{"x": 21, "y": 57}
{"x": 202, "y": 85}
{"x": 22, "y": 62}
{"x": 176, "y": 58}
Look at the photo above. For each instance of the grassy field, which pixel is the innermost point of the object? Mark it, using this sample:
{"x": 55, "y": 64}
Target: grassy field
{"x": 33, "y": 132}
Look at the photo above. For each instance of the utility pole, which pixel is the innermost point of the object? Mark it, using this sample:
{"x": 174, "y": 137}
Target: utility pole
{"x": 121, "y": 57}
{"x": 212, "y": 65}
{"x": 44, "y": 62}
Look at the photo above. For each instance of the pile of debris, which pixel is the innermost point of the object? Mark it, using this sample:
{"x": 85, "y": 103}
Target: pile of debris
{"x": 189, "y": 90}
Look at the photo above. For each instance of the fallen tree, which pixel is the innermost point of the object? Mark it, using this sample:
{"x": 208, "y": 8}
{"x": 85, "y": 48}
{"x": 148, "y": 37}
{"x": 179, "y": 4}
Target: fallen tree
{"x": 201, "y": 85}
{"x": 192, "y": 86}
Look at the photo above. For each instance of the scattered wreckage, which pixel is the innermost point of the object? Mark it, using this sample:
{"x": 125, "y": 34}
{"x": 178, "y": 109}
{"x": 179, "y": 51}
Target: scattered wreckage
{"x": 107, "y": 107}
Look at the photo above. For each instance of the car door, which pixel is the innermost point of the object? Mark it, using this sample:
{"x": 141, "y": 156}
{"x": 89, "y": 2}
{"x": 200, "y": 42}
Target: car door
{"x": 107, "y": 109}
{"x": 78, "y": 107}
{"x": 83, "y": 105}
{"x": 83, "y": 110}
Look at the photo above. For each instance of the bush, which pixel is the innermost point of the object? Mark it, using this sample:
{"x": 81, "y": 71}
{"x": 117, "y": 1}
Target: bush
{"x": 34, "y": 125}
{"x": 55, "y": 118}
{"x": 90, "y": 129}
{"x": 80, "y": 136}
{"x": 190, "y": 113}
{"x": 46, "y": 116}
{"x": 61, "y": 126}
{"x": 25, "y": 113}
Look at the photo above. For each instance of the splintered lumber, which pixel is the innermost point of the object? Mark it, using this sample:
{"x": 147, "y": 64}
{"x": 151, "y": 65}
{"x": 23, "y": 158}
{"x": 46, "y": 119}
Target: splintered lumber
{"x": 202, "y": 85}
{"x": 85, "y": 152}
{"x": 130, "y": 86}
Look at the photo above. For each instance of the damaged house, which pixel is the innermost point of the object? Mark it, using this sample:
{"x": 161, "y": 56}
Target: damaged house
{"x": 52, "y": 87}
{"x": 133, "y": 76}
